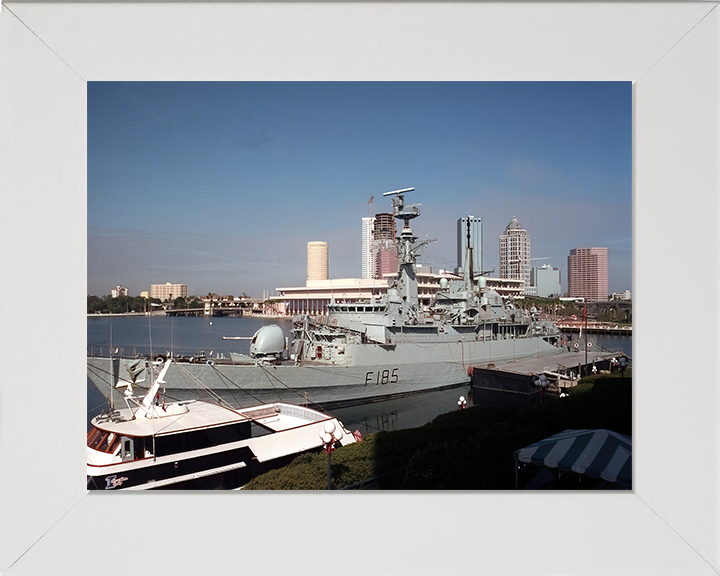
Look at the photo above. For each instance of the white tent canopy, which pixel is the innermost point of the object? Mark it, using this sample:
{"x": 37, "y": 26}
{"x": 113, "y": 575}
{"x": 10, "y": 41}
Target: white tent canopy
{"x": 598, "y": 453}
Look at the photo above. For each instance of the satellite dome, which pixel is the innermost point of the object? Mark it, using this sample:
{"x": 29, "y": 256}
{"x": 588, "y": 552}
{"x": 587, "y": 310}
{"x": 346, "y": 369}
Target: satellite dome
{"x": 269, "y": 340}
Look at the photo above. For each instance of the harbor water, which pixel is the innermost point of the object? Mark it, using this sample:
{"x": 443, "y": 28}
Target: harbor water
{"x": 193, "y": 336}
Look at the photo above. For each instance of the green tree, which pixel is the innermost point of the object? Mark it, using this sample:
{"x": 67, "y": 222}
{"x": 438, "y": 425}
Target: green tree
{"x": 95, "y": 304}
{"x": 180, "y": 303}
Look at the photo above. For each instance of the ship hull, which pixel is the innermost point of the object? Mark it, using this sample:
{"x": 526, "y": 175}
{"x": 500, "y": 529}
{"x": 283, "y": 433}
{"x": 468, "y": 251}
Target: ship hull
{"x": 371, "y": 372}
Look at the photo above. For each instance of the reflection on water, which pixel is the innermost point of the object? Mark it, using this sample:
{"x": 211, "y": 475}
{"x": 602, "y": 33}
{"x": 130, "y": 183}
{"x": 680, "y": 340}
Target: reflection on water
{"x": 402, "y": 413}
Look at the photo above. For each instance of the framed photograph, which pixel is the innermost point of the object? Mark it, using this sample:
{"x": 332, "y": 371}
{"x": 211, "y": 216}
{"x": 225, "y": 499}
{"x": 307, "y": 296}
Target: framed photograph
{"x": 48, "y": 54}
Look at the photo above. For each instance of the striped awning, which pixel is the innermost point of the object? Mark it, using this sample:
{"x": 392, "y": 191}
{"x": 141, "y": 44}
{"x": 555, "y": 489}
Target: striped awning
{"x": 597, "y": 453}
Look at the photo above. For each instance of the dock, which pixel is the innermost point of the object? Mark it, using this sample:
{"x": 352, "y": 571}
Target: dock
{"x": 563, "y": 371}
{"x": 595, "y": 327}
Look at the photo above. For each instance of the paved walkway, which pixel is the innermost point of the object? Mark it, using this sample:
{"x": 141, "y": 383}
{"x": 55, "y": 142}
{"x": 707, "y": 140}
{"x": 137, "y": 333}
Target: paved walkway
{"x": 569, "y": 360}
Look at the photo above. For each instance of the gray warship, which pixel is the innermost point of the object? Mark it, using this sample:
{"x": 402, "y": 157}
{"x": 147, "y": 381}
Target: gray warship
{"x": 365, "y": 351}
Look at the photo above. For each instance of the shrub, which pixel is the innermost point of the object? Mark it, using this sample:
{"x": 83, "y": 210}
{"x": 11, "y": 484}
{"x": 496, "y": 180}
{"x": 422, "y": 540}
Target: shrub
{"x": 468, "y": 449}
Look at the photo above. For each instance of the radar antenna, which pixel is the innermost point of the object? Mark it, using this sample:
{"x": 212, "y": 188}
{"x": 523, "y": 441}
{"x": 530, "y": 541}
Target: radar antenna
{"x": 398, "y": 192}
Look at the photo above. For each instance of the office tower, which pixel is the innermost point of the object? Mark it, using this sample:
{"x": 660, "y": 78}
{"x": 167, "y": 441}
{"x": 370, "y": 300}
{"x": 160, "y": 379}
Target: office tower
{"x": 317, "y": 261}
{"x": 588, "y": 274}
{"x": 368, "y": 257}
{"x": 546, "y": 280}
{"x": 475, "y": 244}
{"x": 385, "y": 245}
{"x": 515, "y": 253}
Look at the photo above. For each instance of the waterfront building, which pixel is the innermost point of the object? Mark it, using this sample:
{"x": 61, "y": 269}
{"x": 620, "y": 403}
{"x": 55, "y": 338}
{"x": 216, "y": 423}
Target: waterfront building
{"x": 475, "y": 244}
{"x": 314, "y": 297}
{"x": 588, "y": 274}
{"x": 168, "y": 291}
{"x": 546, "y": 281}
{"x": 368, "y": 253}
{"x": 317, "y": 261}
{"x": 145, "y": 294}
{"x": 515, "y": 254}
{"x": 118, "y": 291}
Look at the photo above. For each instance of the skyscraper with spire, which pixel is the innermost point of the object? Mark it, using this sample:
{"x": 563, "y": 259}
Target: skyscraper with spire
{"x": 515, "y": 253}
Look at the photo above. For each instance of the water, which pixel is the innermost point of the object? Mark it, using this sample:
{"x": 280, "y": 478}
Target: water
{"x": 187, "y": 336}
{"x": 191, "y": 335}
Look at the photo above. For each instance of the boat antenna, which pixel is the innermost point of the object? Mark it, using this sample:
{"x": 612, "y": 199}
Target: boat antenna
{"x": 112, "y": 375}
{"x": 151, "y": 347}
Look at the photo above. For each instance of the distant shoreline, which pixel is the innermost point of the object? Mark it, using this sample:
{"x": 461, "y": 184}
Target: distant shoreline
{"x": 162, "y": 313}
{"x": 110, "y": 315}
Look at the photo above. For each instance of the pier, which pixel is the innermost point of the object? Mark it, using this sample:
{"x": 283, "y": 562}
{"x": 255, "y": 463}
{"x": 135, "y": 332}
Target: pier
{"x": 595, "y": 327}
{"x": 562, "y": 372}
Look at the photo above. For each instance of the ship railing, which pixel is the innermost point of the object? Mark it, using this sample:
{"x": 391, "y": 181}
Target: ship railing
{"x": 301, "y": 412}
{"x": 323, "y": 321}
{"x": 135, "y": 352}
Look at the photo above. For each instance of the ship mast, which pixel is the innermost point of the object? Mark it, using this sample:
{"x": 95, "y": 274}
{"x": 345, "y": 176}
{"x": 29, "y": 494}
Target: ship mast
{"x": 468, "y": 275}
{"x": 407, "y": 281}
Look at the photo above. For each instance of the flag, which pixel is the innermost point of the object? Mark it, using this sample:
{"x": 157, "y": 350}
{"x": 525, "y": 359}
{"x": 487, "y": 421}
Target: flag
{"x": 357, "y": 436}
{"x": 585, "y": 311}
{"x": 371, "y": 198}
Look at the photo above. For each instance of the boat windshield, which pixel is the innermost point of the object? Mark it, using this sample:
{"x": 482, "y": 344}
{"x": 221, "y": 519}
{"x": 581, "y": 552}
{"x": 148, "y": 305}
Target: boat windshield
{"x": 103, "y": 441}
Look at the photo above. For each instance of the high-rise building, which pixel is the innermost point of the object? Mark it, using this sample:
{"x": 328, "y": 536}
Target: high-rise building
{"x": 546, "y": 280}
{"x": 368, "y": 254}
{"x": 384, "y": 245}
{"x": 515, "y": 254}
{"x": 118, "y": 291}
{"x": 317, "y": 261}
{"x": 588, "y": 274}
{"x": 168, "y": 291}
{"x": 475, "y": 244}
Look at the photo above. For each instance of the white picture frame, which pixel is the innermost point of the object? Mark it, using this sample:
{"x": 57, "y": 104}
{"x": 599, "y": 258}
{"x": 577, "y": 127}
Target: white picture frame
{"x": 668, "y": 524}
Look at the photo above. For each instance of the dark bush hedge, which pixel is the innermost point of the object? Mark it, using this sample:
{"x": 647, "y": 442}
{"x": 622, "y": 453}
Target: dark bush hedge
{"x": 468, "y": 449}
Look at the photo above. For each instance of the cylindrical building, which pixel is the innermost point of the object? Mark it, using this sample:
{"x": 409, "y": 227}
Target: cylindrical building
{"x": 317, "y": 261}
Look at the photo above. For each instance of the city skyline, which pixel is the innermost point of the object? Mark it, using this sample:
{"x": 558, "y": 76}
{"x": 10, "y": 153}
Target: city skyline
{"x": 220, "y": 186}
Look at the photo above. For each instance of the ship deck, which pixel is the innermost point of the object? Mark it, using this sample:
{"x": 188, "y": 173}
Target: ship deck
{"x": 276, "y": 417}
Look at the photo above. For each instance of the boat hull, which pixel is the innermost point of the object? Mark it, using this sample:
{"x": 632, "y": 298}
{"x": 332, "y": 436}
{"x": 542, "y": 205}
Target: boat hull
{"x": 373, "y": 372}
{"x": 287, "y": 431}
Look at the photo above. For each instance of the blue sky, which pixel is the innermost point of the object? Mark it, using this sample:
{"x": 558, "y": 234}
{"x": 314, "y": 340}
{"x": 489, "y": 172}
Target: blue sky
{"x": 220, "y": 186}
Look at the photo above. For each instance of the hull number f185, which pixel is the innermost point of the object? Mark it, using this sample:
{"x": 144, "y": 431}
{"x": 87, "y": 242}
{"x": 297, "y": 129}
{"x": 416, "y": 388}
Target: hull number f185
{"x": 381, "y": 377}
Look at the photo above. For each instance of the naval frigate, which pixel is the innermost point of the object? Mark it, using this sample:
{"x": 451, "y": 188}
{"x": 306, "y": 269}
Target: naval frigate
{"x": 363, "y": 351}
